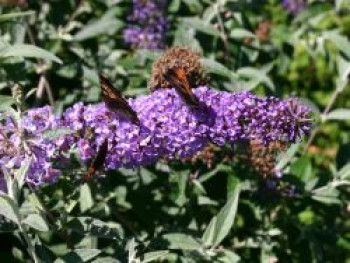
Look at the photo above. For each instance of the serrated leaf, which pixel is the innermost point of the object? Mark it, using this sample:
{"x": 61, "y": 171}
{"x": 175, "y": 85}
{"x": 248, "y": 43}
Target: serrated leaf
{"x": 182, "y": 241}
{"x": 95, "y": 227}
{"x": 53, "y": 134}
{"x": 102, "y": 26}
{"x": 339, "y": 114}
{"x": 8, "y": 208}
{"x": 85, "y": 198}
{"x": 79, "y": 256}
{"x": 154, "y": 255}
{"x": 37, "y": 222}
{"x": 28, "y": 51}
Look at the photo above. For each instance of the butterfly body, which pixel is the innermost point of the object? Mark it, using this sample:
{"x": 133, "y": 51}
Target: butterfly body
{"x": 178, "y": 78}
{"x": 99, "y": 160}
{"x": 115, "y": 102}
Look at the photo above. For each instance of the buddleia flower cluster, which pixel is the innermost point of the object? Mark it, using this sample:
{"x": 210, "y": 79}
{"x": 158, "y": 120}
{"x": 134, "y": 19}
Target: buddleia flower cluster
{"x": 24, "y": 139}
{"x": 147, "y": 25}
{"x": 294, "y": 6}
{"x": 168, "y": 129}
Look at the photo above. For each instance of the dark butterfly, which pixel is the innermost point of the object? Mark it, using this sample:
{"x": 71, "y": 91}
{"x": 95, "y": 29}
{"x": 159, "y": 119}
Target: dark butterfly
{"x": 100, "y": 158}
{"x": 114, "y": 100}
{"x": 177, "y": 77}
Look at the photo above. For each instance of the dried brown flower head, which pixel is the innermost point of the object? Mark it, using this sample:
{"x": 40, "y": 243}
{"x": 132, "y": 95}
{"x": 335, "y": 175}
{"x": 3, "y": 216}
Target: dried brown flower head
{"x": 262, "y": 32}
{"x": 22, "y": 3}
{"x": 262, "y": 158}
{"x": 173, "y": 58}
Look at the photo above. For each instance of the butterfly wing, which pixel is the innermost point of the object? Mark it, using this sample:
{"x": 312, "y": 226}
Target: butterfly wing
{"x": 178, "y": 78}
{"x": 98, "y": 161}
{"x": 114, "y": 100}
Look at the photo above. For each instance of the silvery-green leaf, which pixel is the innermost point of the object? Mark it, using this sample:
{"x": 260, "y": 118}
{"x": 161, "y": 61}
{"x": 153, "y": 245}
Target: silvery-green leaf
{"x": 37, "y": 222}
{"x": 339, "y": 114}
{"x": 344, "y": 172}
{"x": 22, "y": 172}
{"x": 55, "y": 133}
{"x": 181, "y": 241}
{"x": 28, "y": 51}
{"x": 102, "y": 26}
{"x": 221, "y": 224}
{"x": 154, "y": 255}
{"x": 95, "y": 227}
{"x": 85, "y": 198}
{"x": 14, "y": 15}
{"x": 6, "y": 102}
{"x": 8, "y": 208}
{"x": 79, "y": 256}
{"x": 200, "y": 25}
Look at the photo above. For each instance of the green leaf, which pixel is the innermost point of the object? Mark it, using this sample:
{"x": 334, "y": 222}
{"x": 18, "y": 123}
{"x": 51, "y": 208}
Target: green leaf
{"x": 8, "y": 208}
{"x": 200, "y": 25}
{"x": 37, "y": 222}
{"x": 53, "y": 134}
{"x": 194, "y": 5}
{"x": 338, "y": 114}
{"x": 257, "y": 76}
{"x": 240, "y": 33}
{"x": 6, "y": 102}
{"x": 215, "y": 67}
{"x": 14, "y": 15}
{"x": 102, "y": 26}
{"x": 79, "y": 256}
{"x": 85, "y": 198}
{"x": 95, "y": 227}
{"x": 155, "y": 255}
{"x": 221, "y": 224}
{"x": 182, "y": 241}
{"x": 174, "y": 6}
{"x": 228, "y": 256}
{"x": 209, "y": 233}
{"x": 28, "y": 51}
{"x": 343, "y": 66}
{"x": 105, "y": 260}
{"x": 22, "y": 172}
{"x": 326, "y": 195}
{"x": 340, "y": 41}
{"x": 344, "y": 172}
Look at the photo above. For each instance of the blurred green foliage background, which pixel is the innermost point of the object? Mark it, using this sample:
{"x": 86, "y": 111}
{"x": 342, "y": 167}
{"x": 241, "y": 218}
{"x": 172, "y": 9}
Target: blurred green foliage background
{"x": 163, "y": 212}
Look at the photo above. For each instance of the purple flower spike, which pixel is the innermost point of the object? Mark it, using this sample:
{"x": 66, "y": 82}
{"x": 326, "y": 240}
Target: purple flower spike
{"x": 147, "y": 25}
{"x": 23, "y": 139}
{"x": 169, "y": 129}
{"x": 294, "y": 6}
